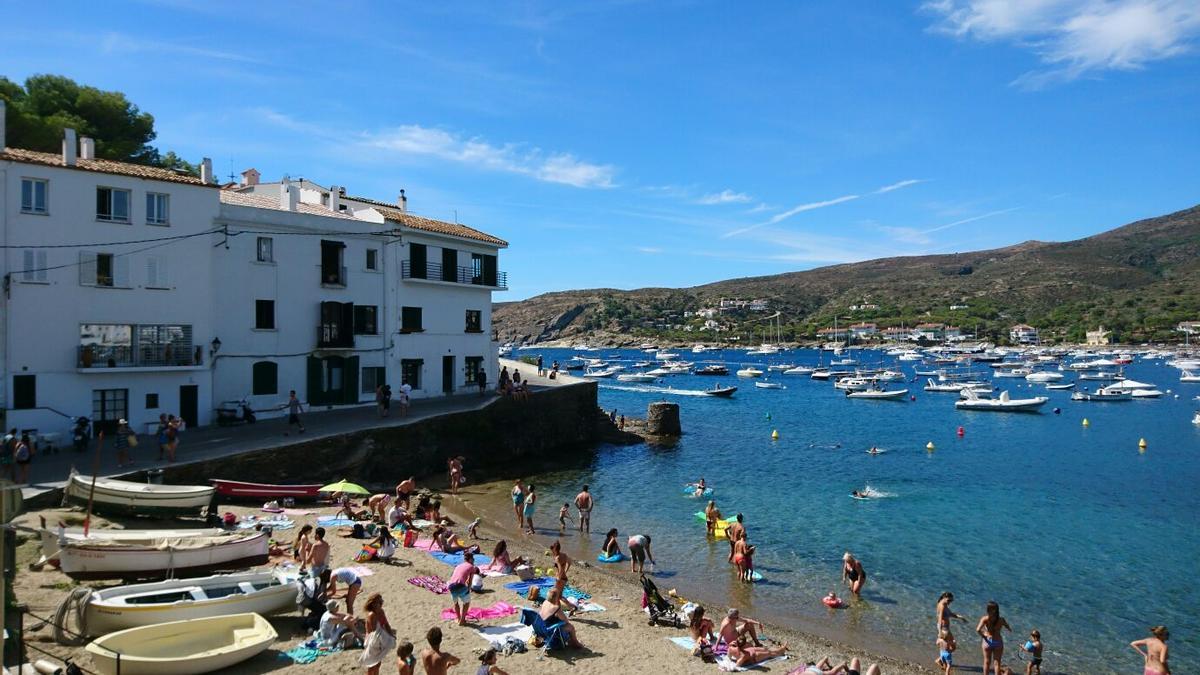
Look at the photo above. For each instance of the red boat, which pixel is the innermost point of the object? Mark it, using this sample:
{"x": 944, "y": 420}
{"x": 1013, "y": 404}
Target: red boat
{"x": 237, "y": 489}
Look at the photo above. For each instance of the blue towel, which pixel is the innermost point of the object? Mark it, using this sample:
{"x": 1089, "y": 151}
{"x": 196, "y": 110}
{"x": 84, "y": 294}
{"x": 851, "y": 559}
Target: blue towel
{"x": 333, "y": 521}
{"x": 522, "y": 588}
{"x": 455, "y": 559}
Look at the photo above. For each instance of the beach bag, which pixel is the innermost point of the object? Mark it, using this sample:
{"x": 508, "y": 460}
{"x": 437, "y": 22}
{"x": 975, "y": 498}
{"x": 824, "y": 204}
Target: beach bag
{"x": 410, "y": 538}
{"x": 365, "y": 555}
{"x": 133, "y": 441}
{"x": 523, "y": 572}
{"x": 477, "y": 583}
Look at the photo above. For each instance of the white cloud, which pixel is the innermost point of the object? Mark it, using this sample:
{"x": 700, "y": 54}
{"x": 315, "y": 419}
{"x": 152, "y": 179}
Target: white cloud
{"x": 114, "y": 43}
{"x": 649, "y": 250}
{"x": 913, "y": 235}
{"x": 779, "y": 217}
{"x": 725, "y": 197}
{"x": 898, "y": 185}
{"x": 1076, "y": 37}
{"x": 762, "y": 206}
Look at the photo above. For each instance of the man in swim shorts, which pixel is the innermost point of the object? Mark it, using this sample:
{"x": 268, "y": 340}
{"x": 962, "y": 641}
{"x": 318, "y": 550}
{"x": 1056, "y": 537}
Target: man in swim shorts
{"x": 584, "y": 502}
{"x": 734, "y": 532}
{"x": 404, "y": 491}
{"x": 734, "y": 628}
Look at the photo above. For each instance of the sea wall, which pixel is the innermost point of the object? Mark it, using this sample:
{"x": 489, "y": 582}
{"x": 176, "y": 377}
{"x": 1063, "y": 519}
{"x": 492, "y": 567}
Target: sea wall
{"x": 554, "y": 426}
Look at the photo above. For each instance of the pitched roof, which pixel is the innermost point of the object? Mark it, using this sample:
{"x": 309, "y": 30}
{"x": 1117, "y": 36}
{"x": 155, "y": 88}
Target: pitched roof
{"x": 395, "y": 215}
{"x": 102, "y": 166}
{"x": 262, "y": 201}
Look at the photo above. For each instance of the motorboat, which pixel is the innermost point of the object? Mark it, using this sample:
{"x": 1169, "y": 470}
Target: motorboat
{"x": 799, "y": 370}
{"x": 1103, "y": 376}
{"x": 780, "y": 367}
{"x": 665, "y": 356}
{"x": 186, "y": 647}
{"x": 660, "y": 372}
{"x": 636, "y": 377}
{"x": 1129, "y": 385}
{"x": 910, "y": 356}
{"x": 722, "y": 392}
{"x": 750, "y": 371}
{"x": 236, "y": 489}
{"x": 1146, "y": 393}
{"x": 110, "y": 495}
{"x": 890, "y": 376}
{"x": 844, "y": 362}
{"x": 700, "y": 349}
{"x": 1103, "y": 395}
{"x": 955, "y": 387}
{"x": 769, "y": 385}
{"x": 160, "y": 557}
{"x": 601, "y": 373}
{"x": 120, "y": 607}
{"x": 713, "y": 369}
{"x": 52, "y": 540}
{"x": 1068, "y": 385}
{"x": 924, "y": 372}
{"x": 1003, "y": 403}
{"x": 1189, "y": 376}
{"x": 1012, "y": 372}
{"x": 854, "y": 384}
{"x": 879, "y": 394}
{"x": 1043, "y": 376}
{"x": 821, "y": 374}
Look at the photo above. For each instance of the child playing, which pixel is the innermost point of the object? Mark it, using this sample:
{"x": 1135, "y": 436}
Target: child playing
{"x": 1034, "y": 647}
{"x": 564, "y": 514}
{"x": 946, "y": 647}
{"x": 473, "y": 529}
{"x": 406, "y": 663}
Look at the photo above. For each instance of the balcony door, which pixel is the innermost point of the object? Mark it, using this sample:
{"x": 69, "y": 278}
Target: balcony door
{"x": 447, "y": 374}
{"x": 108, "y": 406}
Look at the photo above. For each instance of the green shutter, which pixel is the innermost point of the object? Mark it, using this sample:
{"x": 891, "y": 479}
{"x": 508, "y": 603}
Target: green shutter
{"x": 350, "y": 380}
{"x": 316, "y": 396}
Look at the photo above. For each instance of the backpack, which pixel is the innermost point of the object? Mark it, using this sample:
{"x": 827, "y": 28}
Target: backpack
{"x": 22, "y": 451}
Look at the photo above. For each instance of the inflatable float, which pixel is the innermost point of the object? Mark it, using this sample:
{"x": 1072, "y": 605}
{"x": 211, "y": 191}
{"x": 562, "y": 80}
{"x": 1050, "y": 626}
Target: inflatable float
{"x": 610, "y": 558}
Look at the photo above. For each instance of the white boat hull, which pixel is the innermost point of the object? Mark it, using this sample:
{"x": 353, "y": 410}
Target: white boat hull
{"x": 749, "y": 372}
{"x": 898, "y": 394}
{"x": 160, "y": 558}
{"x": 51, "y": 538}
{"x": 183, "y": 647}
{"x": 122, "y": 607}
{"x": 121, "y": 496}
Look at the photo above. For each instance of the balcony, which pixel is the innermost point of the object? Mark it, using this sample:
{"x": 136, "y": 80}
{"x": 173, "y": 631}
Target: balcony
{"x": 98, "y": 357}
{"x": 334, "y": 336}
{"x": 454, "y": 275}
{"x": 333, "y": 276}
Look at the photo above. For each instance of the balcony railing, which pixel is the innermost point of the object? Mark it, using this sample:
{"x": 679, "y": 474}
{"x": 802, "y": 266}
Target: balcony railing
{"x": 456, "y": 275}
{"x": 334, "y": 336}
{"x": 143, "y": 356}
{"x": 333, "y": 277}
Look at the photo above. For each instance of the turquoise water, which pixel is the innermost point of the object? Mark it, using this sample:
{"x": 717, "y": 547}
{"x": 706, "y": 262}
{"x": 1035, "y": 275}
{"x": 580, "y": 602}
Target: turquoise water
{"x": 1070, "y": 528}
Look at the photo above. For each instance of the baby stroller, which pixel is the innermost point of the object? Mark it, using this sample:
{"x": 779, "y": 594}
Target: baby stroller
{"x": 661, "y": 610}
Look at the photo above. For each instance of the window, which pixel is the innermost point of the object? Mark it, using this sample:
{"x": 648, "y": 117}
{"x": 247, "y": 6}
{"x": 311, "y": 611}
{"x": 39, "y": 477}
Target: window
{"x": 108, "y": 406}
{"x": 24, "y": 392}
{"x": 112, "y": 205}
{"x": 417, "y": 255}
{"x": 332, "y": 272}
{"x": 265, "y": 377}
{"x": 157, "y": 208}
{"x": 474, "y": 365}
{"x": 483, "y": 269}
{"x": 410, "y": 320}
{"x": 372, "y": 377}
{"x": 33, "y": 195}
{"x": 35, "y": 266}
{"x": 474, "y": 321}
{"x": 156, "y": 272}
{"x": 410, "y": 372}
{"x": 336, "y": 330}
{"x": 449, "y": 265}
{"x": 103, "y": 269}
{"x": 151, "y": 401}
{"x": 264, "y": 314}
{"x": 364, "y": 320}
{"x": 372, "y": 259}
{"x": 266, "y": 250}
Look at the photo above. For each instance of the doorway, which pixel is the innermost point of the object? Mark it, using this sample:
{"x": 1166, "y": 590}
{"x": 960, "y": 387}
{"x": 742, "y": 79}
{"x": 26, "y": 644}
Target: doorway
{"x": 108, "y": 406}
{"x": 189, "y": 404}
{"x": 447, "y": 374}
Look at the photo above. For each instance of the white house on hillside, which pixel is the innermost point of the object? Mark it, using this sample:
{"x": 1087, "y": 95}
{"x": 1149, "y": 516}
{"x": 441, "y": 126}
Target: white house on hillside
{"x": 1023, "y": 334}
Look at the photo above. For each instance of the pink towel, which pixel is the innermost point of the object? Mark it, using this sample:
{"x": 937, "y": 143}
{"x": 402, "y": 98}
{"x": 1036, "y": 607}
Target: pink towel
{"x": 298, "y": 512}
{"x": 496, "y": 611}
{"x": 424, "y": 544}
{"x": 432, "y": 583}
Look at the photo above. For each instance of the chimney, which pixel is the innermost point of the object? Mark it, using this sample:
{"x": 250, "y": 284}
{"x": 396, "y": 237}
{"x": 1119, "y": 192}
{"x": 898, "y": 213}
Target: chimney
{"x": 335, "y": 198}
{"x": 402, "y": 202}
{"x": 287, "y": 195}
{"x": 206, "y": 172}
{"x": 2, "y": 114}
{"x": 87, "y": 148}
{"x": 70, "y": 147}
{"x": 249, "y": 177}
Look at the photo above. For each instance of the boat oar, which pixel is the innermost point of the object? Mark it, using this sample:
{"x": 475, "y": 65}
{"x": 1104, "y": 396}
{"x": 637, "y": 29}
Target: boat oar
{"x": 87, "y": 520}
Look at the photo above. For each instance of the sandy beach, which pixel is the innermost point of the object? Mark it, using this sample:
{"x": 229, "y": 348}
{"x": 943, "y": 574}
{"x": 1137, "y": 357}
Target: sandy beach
{"x": 616, "y": 640}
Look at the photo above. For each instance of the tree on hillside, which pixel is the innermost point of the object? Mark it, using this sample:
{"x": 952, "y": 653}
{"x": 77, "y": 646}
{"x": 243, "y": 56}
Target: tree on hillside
{"x": 38, "y": 112}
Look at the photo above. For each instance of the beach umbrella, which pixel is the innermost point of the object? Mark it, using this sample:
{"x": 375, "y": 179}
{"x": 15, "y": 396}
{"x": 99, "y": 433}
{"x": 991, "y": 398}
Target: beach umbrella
{"x": 347, "y": 487}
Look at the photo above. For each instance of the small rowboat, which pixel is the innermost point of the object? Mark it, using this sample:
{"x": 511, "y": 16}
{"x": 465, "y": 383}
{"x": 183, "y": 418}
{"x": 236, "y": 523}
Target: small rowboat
{"x": 236, "y": 489}
{"x": 160, "y": 557}
{"x": 126, "y": 497}
{"x": 51, "y": 538}
{"x": 769, "y": 385}
{"x": 121, "y": 607}
{"x": 183, "y": 647}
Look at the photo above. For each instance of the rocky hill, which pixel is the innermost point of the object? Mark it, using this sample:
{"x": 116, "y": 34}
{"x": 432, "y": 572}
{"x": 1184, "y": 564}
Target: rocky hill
{"x": 1140, "y": 280}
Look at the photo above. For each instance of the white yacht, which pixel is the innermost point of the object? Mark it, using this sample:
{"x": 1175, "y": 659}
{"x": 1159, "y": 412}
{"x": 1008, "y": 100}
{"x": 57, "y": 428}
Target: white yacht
{"x": 1002, "y": 404}
{"x": 1044, "y": 376}
{"x": 749, "y": 371}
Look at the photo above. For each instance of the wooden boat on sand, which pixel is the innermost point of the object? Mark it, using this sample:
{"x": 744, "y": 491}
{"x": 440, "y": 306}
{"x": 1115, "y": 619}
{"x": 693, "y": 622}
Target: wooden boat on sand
{"x": 236, "y": 489}
{"x": 126, "y": 497}
{"x": 163, "y": 557}
{"x": 182, "y": 647}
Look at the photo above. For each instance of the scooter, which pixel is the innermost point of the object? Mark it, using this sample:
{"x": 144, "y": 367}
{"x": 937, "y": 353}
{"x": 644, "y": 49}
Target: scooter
{"x": 235, "y": 412}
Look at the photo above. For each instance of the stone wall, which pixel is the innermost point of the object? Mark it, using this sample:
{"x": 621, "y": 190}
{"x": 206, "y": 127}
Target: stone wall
{"x": 555, "y": 426}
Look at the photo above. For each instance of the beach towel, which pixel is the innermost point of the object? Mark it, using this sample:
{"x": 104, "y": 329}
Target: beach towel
{"x": 720, "y": 649}
{"x": 498, "y": 635}
{"x": 274, "y": 522}
{"x": 298, "y": 512}
{"x": 333, "y": 521}
{"x": 424, "y": 544}
{"x": 727, "y": 664}
{"x": 496, "y": 611}
{"x": 377, "y": 647}
{"x": 454, "y": 559}
{"x": 522, "y": 587}
{"x": 432, "y": 584}
{"x": 308, "y": 651}
{"x": 585, "y": 607}
{"x": 361, "y": 571}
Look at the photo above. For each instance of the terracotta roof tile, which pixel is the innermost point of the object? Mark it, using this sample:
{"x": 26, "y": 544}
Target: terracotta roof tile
{"x": 436, "y": 226}
{"x": 261, "y": 201}
{"x": 101, "y": 166}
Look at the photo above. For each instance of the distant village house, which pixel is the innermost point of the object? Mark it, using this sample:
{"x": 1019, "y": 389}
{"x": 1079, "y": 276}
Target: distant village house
{"x": 1023, "y": 334}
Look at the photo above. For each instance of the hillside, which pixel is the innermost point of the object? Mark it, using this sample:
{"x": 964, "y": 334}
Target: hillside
{"x": 1140, "y": 280}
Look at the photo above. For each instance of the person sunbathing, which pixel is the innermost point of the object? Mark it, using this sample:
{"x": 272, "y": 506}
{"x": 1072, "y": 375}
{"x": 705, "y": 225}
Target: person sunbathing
{"x": 551, "y": 611}
{"x": 501, "y": 562}
{"x": 744, "y": 654}
{"x": 447, "y": 541}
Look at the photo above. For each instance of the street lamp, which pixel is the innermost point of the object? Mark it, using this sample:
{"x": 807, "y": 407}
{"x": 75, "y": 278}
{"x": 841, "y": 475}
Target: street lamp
{"x": 214, "y": 347}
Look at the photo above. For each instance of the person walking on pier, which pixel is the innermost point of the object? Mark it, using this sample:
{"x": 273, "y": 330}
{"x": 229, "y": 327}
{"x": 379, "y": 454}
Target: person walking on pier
{"x": 294, "y": 409}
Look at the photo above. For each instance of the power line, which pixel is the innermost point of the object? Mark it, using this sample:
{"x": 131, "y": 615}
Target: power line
{"x": 110, "y": 243}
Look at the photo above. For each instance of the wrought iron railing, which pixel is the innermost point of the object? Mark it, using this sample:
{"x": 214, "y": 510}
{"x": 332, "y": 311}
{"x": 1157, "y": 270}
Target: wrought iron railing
{"x": 142, "y": 356}
{"x": 459, "y": 275}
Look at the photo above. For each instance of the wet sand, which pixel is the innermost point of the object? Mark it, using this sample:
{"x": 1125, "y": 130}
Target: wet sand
{"x": 617, "y": 640}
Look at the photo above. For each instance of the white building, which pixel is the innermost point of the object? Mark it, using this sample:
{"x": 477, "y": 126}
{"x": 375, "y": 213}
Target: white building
{"x": 1098, "y": 337}
{"x": 864, "y": 330}
{"x": 133, "y": 291}
{"x": 1023, "y": 334}
{"x": 117, "y": 328}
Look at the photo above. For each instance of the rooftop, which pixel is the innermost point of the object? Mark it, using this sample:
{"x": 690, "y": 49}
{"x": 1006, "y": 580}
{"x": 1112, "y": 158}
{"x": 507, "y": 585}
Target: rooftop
{"x": 262, "y": 201}
{"x": 102, "y": 166}
{"x": 395, "y": 215}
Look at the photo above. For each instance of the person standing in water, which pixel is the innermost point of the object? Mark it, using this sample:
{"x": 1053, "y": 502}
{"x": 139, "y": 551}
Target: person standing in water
{"x": 584, "y": 502}
{"x": 518, "y": 500}
{"x": 734, "y": 532}
{"x": 1154, "y": 650}
{"x": 527, "y": 509}
{"x": 853, "y": 574}
{"x": 988, "y": 628}
{"x": 943, "y": 613}
{"x": 639, "y": 550}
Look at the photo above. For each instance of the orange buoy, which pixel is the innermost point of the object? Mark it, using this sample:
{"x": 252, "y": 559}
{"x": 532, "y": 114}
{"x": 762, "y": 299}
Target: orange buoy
{"x": 961, "y": 432}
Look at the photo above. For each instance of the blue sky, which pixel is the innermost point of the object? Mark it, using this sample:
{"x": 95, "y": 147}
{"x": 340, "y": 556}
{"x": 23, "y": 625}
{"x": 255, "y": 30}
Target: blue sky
{"x": 627, "y": 144}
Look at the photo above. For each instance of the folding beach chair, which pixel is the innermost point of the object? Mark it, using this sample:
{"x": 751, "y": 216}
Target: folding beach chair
{"x": 552, "y": 634}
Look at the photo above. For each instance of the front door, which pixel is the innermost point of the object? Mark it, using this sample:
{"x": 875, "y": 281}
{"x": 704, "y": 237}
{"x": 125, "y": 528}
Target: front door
{"x": 189, "y": 404}
{"x": 108, "y": 406}
{"x": 447, "y": 374}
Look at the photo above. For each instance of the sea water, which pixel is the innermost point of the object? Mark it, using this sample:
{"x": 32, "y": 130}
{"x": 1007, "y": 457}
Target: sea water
{"x": 1071, "y": 528}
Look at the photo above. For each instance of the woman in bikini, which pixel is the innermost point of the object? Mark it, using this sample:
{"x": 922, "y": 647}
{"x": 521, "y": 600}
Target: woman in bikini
{"x": 745, "y": 655}
{"x": 943, "y": 612}
{"x": 701, "y": 630}
{"x": 518, "y": 500}
{"x": 853, "y": 574}
{"x": 562, "y": 563}
{"x": 711, "y": 516}
{"x": 989, "y": 628}
{"x": 301, "y": 545}
{"x": 501, "y": 562}
{"x": 527, "y": 510}
{"x": 1154, "y": 650}
{"x": 611, "y": 548}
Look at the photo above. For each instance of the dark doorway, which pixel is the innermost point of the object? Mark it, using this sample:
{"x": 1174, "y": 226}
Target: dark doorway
{"x": 108, "y": 406}
{"x": 189, "y": 404}
{"x": 447, "y": 374}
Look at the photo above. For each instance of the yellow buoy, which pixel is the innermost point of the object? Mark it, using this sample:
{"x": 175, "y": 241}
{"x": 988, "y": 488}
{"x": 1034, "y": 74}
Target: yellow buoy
{"x": 1085, "y": 422}
{"x": 1142, "y": 444}
{"x": 929, "y": 445}
{"x": 775, "y": 435}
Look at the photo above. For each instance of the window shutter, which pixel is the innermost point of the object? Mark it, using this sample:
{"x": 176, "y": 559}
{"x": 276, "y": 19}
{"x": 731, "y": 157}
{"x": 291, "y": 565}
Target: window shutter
{"x": 30, "y": 265}
{"x": 121, "y": 271}
{"x": 42, "y": 274}
{"x": 87, "y": 268}
{"x": 151, "y": 270}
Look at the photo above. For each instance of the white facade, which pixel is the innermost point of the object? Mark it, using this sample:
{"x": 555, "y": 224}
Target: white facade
{"x": 134, "y": 291}
{"x": 1023, "y": 334}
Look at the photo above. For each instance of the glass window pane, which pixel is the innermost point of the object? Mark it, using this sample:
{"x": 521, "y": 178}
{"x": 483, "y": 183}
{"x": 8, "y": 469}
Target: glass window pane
{"x": 39, "y": 196}
{"x": 120, "y": 205}
{"x": 26, "y": 195}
